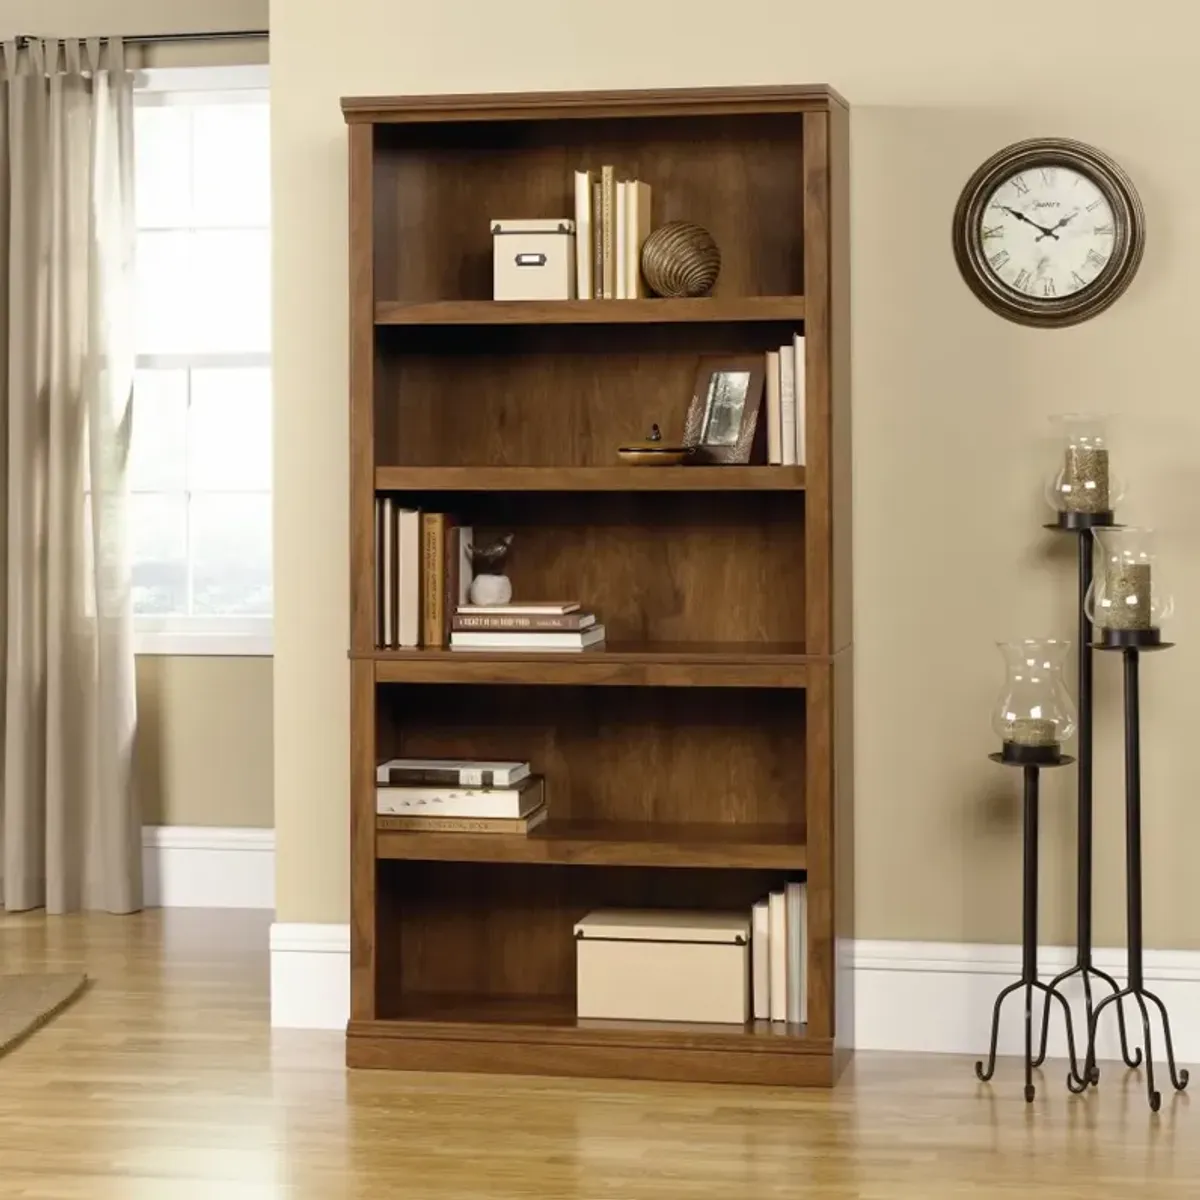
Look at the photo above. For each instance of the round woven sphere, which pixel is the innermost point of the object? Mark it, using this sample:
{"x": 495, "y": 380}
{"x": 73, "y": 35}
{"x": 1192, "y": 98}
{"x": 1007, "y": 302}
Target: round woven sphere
{"x": 680, "y": 259}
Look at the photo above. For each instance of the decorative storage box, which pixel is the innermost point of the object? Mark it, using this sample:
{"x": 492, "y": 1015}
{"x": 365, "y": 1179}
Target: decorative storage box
{"x": 533, "y": 260}
{"x": 664, "y": 966}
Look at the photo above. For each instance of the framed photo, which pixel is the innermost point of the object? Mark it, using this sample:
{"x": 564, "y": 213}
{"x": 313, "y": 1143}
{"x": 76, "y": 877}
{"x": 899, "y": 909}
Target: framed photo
{"x": 723, "y": 415}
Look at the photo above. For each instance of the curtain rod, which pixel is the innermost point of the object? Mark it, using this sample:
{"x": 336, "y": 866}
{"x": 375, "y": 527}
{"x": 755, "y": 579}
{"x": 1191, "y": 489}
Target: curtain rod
{"x": 216, "y": 35}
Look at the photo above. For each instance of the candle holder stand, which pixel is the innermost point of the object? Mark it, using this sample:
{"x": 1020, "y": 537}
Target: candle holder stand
{"x": 1031, "y": 760}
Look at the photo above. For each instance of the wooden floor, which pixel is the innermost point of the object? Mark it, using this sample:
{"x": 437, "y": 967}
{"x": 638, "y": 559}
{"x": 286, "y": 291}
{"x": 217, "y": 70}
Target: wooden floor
{"x": 164, "y": 1083}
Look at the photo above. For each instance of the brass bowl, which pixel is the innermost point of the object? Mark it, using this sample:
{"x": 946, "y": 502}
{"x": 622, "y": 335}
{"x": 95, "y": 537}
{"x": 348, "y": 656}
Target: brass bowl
{"x": 655, "y": 454}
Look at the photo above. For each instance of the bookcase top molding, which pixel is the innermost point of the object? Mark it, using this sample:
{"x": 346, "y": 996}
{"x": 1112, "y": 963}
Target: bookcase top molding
{"x": 655, "y": 102}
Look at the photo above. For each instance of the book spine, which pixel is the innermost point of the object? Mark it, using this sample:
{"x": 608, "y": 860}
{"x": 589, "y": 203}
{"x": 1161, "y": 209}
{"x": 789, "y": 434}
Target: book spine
{"x": 389, "y": 571}
{"x": 798, "y": 388}
{"x": 433, "y": 557}
{"x": 451, "y": 576}
{"x": 460, "y": 824}
{"x": 598, "y": 240}
{"x": 774, "y": 412}
{"x": 583, "y": 235}
{"x": 787, "y": 405}
{"x": 473, "y": 803}
{"x": 408, "y": 574}
{"x": 379, "y": 570}
{"x": 450, "y": 777}
{"x": 760, "y": 961}
{"x": 621, "y": 278}
{"x": 638, "y": 232}
{"x": 777, "y": 912}
{"x": 571, "y": 623}
{"x": 608, "y": 254}
{"x": 795, "y": 973}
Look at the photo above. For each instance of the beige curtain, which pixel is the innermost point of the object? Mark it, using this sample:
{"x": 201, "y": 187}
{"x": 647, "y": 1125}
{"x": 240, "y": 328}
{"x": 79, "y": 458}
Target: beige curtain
{"x": 69, "y": 827}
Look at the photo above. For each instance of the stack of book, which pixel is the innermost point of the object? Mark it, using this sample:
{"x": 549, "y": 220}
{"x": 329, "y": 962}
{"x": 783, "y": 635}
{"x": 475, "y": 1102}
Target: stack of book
{"x": 786, "y": 407}
{"x": 552, "y": 625}
{"x": 778, "y": 953}
{"x": 439, "y": 795}
{"x": 612, "y": 222}
{"x": 422, "y": 574}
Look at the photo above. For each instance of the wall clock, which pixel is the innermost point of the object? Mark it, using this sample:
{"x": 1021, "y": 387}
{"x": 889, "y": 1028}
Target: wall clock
{"x": 1048, "y": 232}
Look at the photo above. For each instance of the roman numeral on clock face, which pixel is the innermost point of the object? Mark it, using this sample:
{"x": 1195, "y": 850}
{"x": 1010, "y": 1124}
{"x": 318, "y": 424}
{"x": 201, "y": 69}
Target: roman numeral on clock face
{"x": 1095, "y": 204}
{"x": 1095, "y": 260}
{"x": 1019, "y": 183}
{"x": 1048, "y": 287}
{"x": 1106, "y": 230}
{"x": 998, "y": 259}
{"x": 1022, "y": 281}
{"x": 992, "y": 231}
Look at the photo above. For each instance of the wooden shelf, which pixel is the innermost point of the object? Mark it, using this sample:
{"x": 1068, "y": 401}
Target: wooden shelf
{"x": 611, "y": 843}
{"x": 542, "y": 1035}
{"x": 666, "y": 664}
{"x": 591, "y": 312}
{"x": 589, "y": 479}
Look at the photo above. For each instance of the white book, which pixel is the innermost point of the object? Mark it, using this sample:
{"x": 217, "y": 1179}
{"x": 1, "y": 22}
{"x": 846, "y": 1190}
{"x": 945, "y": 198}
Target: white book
{"x": 459, "y": 802}
{"x": 796, "y": 896}
{"x": 787, "y": 405}
{"x": 621, "y": 273}
{"x": 452, "y": 772}
{"x": 532, "y": 608}
{"x": 523, "y": 639}
{"x": 583, "y": 235}
{"x": 760, "y": 960}
{"x": 774, "y": 412}
{"x": 801, "y": 409}
{"x": 388, "y": 556}
{"x": 379, "y": 527}
{"x": 637, "y": 230}
{"x": 777, "y": 916}
{"x": 409, "y": 559}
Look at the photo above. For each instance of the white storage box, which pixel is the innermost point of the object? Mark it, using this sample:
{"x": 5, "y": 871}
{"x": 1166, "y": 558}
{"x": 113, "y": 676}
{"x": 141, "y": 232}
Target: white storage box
{"x": 664, "y": 966}
{"x": 533, "y": 260}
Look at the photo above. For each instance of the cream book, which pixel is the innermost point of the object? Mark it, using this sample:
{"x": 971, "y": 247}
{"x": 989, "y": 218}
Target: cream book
{"x": 608, "y": 217}
{"x": 774, "y": 412}
{"x": 637, "y": 230}
{"x": 787, "y": 405}
{"x": 583, "y": 235}
{"x": 801, "y": 409}
{"x": 796, "y": 898}
{"x": 387, "y": 554}
{"x": 620, "y": 274}
{"x": 408, "y": 557}
{"x": 505, "y": 803}
{"x": 760, "y": 961}
{"x": 777, "y": 914}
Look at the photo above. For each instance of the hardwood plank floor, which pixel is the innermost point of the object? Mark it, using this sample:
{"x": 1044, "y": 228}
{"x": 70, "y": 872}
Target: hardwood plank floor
{"x": 165, "y": 1083}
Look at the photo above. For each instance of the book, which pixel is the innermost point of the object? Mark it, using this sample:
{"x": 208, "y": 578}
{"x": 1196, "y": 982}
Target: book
{"x": 760, "y": 960}
{"x": 777, "y": 916}
{"x": 460, "y": 539}
{"x": 796, "y": 901}
{"x": 608, "y": 216}
{"x": 522, "y": 608}
{"x": 387, "y": 552}
{"x": 515, "y": 825}
{"x": 379, "y": 596}
{"x": 522, "y": 640}
{"x": 637, "y": 230}
{"x": 620, "y": 276}
{"x": 454, "y": 772}
{"x": 408, "y": 557}
{"x": 787, "y": 404}
{"x": 774, "y": 412}
{"x": 435, "y": 529}
{"x": 801, "y": 410}
{"x": 583, "y": 235}
{"x": 597, "y": 240}
{"x": 498, "y": 623}
{"x": 508, "y": 803}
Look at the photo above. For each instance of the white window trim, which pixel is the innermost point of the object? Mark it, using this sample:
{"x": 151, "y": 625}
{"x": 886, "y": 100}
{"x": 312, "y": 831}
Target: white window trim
{"x": 250, "y": 637}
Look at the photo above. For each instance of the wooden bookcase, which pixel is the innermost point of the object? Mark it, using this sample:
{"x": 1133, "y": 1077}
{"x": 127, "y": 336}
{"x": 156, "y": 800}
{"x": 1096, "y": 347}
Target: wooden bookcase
{"x": 704, "y": 757}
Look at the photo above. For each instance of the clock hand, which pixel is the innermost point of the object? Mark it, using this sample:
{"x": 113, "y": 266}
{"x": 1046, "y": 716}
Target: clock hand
{"x": 1022, "y": 217}
{"x": 1051, "y": 233}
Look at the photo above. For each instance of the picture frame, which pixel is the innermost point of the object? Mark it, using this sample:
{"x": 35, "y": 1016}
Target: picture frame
{"x": 722, "y": 418}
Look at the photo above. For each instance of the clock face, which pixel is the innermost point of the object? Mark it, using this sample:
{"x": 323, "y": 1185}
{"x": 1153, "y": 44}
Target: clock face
{"x": 1047, "y": 232}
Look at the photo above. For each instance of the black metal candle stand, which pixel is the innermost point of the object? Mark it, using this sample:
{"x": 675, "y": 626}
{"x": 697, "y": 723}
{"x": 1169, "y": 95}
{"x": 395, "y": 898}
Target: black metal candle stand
{"x": 1132, "y": 643}
{"x": 1082, "y": 524}
{"x": 1031, "y": 760}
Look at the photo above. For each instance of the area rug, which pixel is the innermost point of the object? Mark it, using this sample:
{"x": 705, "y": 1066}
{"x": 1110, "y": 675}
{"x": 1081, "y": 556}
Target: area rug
{"x": 27, "y": 1002}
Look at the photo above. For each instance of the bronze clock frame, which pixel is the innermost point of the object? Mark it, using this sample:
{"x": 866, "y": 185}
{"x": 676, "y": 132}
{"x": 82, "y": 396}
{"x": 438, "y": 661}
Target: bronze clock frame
{"x": 1128, "y": 242}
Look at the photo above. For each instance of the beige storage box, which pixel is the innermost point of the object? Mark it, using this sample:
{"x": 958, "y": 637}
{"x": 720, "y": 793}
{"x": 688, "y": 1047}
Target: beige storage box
{"x": 664, "y": 966}
{"x": 533, "y": 260}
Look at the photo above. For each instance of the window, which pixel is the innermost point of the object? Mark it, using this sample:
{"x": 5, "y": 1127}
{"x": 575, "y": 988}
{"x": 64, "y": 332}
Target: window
{"x": 200, "y": 457}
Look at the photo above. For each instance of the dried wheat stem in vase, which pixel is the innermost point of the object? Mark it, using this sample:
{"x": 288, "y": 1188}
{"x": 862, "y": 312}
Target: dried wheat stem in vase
{"x": 1085, "y": 480}
{"x": 1128, "y": 595}
{"x": 1032, "y": 731}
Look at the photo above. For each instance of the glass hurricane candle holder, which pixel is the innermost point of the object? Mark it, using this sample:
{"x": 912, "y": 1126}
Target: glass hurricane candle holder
{"x": 1083, "y": 488}
{"x": 1127, "y": 601}
{"x": 1034, "y": 715}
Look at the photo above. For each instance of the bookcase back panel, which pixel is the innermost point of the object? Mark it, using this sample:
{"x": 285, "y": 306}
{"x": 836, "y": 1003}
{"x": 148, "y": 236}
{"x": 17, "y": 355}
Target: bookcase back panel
{"x": 483, "y": 931}
{"x": 675, "y": 755}
{"x": 437, "y": 187}
{"x": 544, "y": 396}
{"x": 657, "y": 566}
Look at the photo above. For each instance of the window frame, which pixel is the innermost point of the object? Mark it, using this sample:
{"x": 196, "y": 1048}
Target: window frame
{"x": 249, "y": 636}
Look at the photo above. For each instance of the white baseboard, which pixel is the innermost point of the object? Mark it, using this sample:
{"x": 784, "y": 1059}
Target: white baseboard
{"x": 938, "y": 996}
{"x": 186, "y": 866}
{"x": 310, "y": 976}
{"x": 931, "y": 997}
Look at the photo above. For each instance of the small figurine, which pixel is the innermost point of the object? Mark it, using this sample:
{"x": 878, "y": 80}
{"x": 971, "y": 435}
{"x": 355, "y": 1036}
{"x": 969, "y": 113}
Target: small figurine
{"x": 490, "y": 585}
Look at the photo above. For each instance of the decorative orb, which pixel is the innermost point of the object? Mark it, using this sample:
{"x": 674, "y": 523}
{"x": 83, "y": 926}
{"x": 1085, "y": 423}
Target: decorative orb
{"x": 681, "y": 259}
{"x": 491, "y": 589}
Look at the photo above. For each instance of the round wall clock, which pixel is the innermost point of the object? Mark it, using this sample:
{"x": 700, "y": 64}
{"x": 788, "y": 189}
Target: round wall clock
{"x": 1048, "y": 232}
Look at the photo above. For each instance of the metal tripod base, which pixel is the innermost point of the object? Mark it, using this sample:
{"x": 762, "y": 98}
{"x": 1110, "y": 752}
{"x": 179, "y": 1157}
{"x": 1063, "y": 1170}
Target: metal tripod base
{"x": 1084, "y": 971}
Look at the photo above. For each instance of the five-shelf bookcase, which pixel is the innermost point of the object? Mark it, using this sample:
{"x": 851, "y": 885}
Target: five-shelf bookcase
{"x": 704, "y": 757}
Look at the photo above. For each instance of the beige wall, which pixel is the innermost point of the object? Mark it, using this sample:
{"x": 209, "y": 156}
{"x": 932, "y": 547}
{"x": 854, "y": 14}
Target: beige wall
{"x": 87, "y": 18}
{"x": 203, "y": 752}
{"x": 950, "y": 402}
